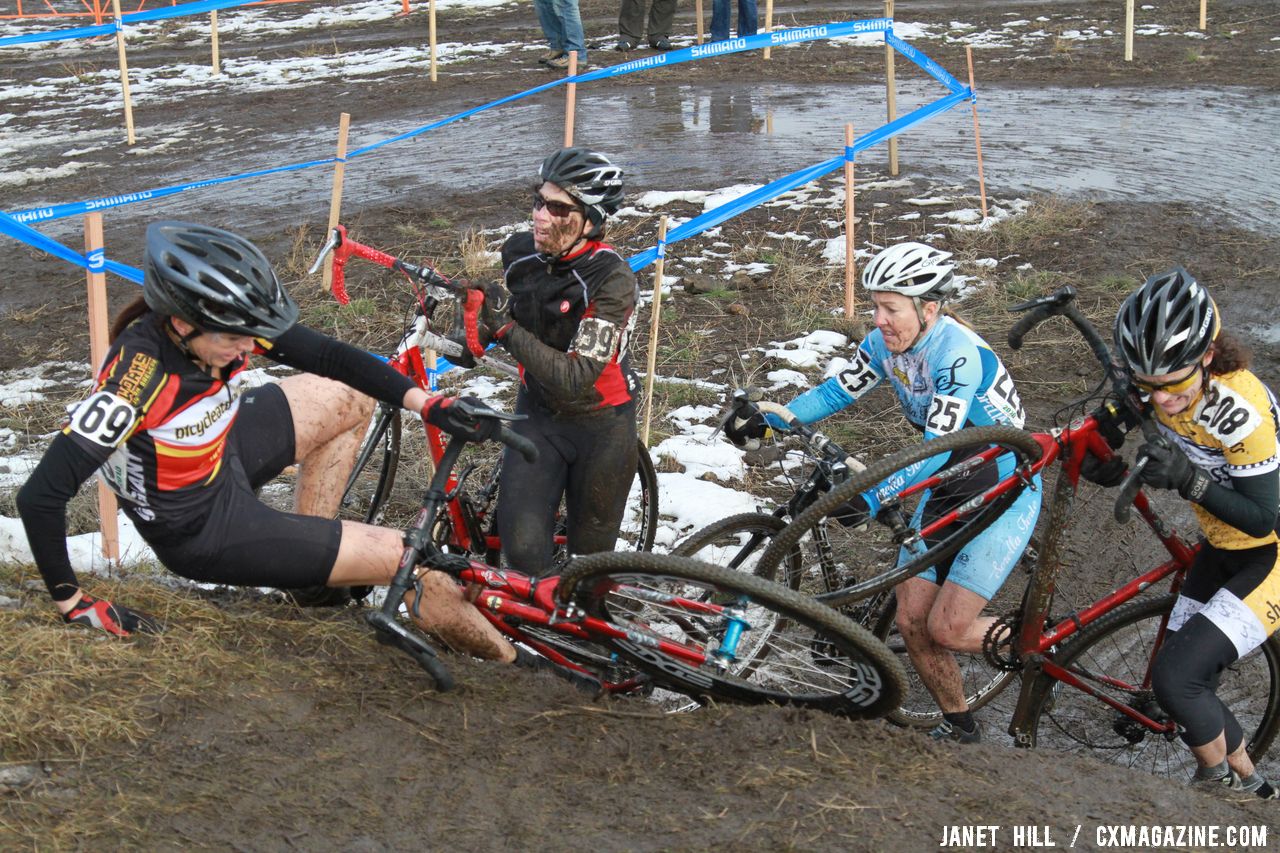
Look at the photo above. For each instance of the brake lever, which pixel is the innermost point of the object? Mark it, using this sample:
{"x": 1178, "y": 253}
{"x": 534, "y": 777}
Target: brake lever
{"x": 334, "y": 241}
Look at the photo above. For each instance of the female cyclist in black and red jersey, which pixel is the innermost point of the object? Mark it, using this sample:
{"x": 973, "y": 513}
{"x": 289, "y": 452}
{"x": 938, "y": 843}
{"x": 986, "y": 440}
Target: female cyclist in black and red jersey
{"x": 173, "y": 429}
{"x": 1218, "y": 449}
{"x": 565, "y": 315}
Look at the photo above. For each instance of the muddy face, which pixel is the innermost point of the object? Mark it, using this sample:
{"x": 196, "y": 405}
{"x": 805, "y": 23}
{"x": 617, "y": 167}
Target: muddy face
{"x": 555, "y": 234}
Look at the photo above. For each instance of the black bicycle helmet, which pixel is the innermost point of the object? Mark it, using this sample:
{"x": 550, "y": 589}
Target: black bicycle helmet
{"x": 588, "y": 176}
{"x": 214, "y": 280}
{"x": 1166, "y": 325}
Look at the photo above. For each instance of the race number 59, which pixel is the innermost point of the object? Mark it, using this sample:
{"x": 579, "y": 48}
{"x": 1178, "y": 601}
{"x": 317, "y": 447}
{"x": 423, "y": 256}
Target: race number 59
{"x": 104, "y": 418}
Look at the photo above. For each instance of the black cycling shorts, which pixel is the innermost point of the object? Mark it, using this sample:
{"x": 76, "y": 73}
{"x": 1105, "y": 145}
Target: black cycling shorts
{"x": 244, "y": 542}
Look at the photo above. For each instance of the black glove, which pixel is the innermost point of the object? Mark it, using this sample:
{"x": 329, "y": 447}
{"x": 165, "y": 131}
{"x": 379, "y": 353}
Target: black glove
{"x": 1107, "y": 474}
{"x": 747, "y": 431}
{"x": 451, "y": 415}
{"x": 112, "y": 618}
{"x": 856, "y": 513}
{"x": 1167, "y": 467}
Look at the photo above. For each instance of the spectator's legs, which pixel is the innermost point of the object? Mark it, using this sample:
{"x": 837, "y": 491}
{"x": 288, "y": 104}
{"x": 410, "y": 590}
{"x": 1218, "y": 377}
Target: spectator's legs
{"x": 747, "y": 20}
{"x": 631, "y": 21}
{"x": 552, "y": 28}
{"x": 719, "y": 20}
{"x": 571, "y": 27}
{"x": 661, "y": 15}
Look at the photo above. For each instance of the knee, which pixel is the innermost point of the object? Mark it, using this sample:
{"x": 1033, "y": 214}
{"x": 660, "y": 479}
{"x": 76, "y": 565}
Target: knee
{"x": 946, "y": 634}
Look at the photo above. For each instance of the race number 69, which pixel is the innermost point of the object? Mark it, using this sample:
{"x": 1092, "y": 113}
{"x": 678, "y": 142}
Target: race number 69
{"x": 104, "y": 418}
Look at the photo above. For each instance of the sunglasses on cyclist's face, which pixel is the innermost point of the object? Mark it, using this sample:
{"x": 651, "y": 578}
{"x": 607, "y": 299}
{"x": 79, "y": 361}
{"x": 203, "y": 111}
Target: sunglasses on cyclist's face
{"x": 558, "y": 209}
{"x": 1174, "y": 387}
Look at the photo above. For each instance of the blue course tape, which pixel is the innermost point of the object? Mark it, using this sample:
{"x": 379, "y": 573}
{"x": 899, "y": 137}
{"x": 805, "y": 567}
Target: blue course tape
{"x": 793, "y": 35}
{"x": 931, "y": 68}
{"x": 61, "y": 211}
{"x": 133, "y": 18}
{"x": 32, "y": 237}
{"x": 772, "y": 190}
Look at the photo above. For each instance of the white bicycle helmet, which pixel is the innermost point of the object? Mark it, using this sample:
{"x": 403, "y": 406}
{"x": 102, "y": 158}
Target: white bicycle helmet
{"x": 911, "y": 269}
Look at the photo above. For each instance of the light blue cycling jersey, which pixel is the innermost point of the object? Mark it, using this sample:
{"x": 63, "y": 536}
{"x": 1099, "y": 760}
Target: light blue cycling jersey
{"x": 949, "y": 380}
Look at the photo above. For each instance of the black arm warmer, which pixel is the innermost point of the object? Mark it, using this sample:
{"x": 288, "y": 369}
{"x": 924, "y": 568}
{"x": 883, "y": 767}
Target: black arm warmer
{"x": 1250, "y": 507}
{"x": 42, "y": 504}
{"x": 314, "y": 352}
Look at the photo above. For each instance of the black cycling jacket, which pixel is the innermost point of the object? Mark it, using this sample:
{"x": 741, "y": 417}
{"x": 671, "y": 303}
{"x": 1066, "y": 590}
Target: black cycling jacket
{"x": 573, "y": 320}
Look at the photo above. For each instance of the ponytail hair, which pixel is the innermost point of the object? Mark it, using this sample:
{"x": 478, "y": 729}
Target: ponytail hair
{"x": 127, "y": 315}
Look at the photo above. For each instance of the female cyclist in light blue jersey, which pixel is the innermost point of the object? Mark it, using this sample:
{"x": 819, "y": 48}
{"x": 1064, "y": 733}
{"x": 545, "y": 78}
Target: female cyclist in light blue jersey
{"x": 946, "y": 378}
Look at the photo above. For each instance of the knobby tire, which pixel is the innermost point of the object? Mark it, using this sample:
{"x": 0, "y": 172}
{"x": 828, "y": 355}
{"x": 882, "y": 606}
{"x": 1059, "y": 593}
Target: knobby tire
{"x": 845, "y": 669}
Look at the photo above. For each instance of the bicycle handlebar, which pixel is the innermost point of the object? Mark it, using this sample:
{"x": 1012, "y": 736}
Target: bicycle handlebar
{"x": 518, "y": 443}
{"x": 748, "y": 401}
{"x": 1061, "y": 303}
{"x": 343, "y": 247}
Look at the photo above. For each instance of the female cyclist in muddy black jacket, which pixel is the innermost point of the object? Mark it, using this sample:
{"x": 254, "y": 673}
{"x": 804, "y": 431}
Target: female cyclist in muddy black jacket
{"x": 565, "y": 315}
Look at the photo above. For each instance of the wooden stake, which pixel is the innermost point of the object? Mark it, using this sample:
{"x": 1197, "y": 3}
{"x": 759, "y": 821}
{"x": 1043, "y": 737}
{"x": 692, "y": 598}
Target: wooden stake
{"x": 96, "y": 281}
{"x": 124, "y": 72}
{"x": 850, "y": 270}
{"x": 891, "y": 92}
{"x": 213, "y": 40}
{"x": 977, "y": 134}
{"x": 768, "y": 25}
{"x": 431, "y": 34}
{"x": 655, "y": 313}
{"x": 1204, "y": 14}
{"x": 335, "y": 200}
{"x": 570, "y": 99}
{"x": 697, "y": 13}
{"x": 1128, "y": 30}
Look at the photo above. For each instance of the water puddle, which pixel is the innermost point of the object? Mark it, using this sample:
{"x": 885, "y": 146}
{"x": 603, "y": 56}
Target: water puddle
{"x": 1212, "y": 148}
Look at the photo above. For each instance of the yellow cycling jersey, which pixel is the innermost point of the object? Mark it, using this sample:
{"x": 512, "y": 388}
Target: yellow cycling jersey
{"x": 1230, "y": 431}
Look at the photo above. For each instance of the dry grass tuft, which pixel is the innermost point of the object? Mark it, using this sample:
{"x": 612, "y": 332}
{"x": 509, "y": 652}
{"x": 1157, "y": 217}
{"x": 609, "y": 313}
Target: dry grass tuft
{"x": 76, "y": 692}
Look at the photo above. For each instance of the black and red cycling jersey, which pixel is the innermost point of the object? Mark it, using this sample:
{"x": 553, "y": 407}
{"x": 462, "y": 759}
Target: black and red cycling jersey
{"x": 573, "y": 322}
{"x": 155, "y": 427}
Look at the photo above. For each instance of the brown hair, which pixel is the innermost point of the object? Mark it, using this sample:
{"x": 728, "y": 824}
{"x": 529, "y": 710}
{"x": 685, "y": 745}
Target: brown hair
{"x": 1229, "y": 354}
{"x": 127, "y": 315}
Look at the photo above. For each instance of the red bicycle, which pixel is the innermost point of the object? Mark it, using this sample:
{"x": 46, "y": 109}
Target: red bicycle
{"x": 1086, "y": 677}
{"x": 469, "y": 526}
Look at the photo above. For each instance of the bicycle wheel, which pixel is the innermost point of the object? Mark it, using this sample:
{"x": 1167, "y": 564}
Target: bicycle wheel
{"x": 737, "y": 542}
{"x": 640, "y": 524}
{"x": 792, "y": 650}
{"x": 982, "y": 682}
{"x": 363, "y": 499}
{"x": 365, "y": 496}
{"x": 855, "y": 562}
{"x": 1120, "y": 647}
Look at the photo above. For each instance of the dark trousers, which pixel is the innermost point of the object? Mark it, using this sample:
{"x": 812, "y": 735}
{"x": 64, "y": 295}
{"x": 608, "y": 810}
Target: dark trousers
{"x": 631, "y": 19}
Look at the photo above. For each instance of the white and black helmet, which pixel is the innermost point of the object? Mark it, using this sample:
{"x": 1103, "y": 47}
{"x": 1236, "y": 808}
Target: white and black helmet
{"x": 1166, "y": 325}
{"x": 911, "y": 269}
{"x": 214, "y": 280}
{"x": 589, "y": 177}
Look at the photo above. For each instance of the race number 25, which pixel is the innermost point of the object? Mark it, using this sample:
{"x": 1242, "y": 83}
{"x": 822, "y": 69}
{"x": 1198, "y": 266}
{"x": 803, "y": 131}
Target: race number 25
{"x": 104, "y": 418}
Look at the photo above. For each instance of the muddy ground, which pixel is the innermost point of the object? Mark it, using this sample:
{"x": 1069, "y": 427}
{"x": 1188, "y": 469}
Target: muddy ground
{"x": 367, "y": 758}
